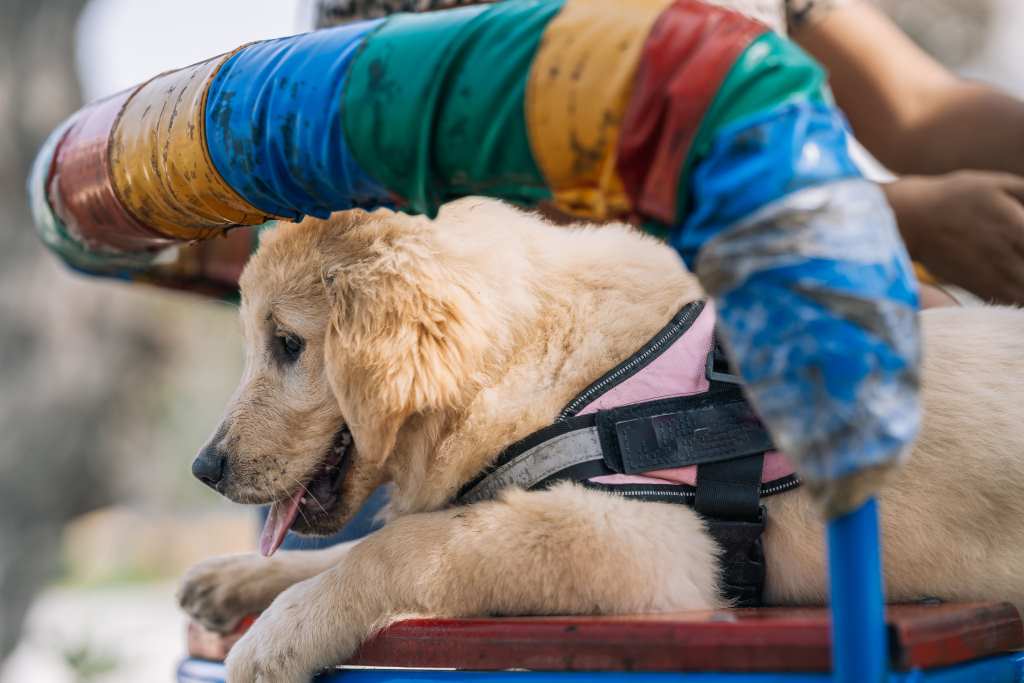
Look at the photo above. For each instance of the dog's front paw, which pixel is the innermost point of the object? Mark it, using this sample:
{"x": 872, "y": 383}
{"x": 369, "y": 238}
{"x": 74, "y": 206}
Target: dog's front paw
{"x": 266, "y": 654}
{"x": 296, "y": 637}
{"x": 221, "y": 591}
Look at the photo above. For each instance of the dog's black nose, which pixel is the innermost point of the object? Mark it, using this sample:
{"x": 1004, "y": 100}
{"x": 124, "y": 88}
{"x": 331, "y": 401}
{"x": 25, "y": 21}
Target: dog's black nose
{"x": 210, "y": 465}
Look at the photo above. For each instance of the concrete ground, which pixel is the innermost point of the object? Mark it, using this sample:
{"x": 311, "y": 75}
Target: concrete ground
{"x": 120, "y": 634}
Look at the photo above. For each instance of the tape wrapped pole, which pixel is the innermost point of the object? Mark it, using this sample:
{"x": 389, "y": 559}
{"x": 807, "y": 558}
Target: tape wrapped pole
{"x": 81, "y": 190}
{"x": 274, "y": 125}
{"x": 730, "y": 145}
{"x": 434, "y": 106}
{"x": 580, "y": 83}
{"x": 161, "y": 170}
{"x": 817, "y": 300}
{"x": 51, "y": 229}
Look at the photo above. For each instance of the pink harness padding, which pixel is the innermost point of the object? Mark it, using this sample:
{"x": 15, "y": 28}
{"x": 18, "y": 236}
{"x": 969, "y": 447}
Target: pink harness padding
{"x": 680, "y": 370}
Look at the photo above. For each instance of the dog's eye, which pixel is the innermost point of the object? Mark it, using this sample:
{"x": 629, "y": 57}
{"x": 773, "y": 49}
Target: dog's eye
{"x": 291, "y": 346}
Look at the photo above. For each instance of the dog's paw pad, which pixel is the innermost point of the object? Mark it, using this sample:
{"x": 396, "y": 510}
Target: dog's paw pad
{"x": 219, "y": 592}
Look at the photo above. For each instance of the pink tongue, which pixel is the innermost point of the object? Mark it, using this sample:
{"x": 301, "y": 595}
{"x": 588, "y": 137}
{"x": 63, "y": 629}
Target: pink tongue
{"x": 279, "y": 521}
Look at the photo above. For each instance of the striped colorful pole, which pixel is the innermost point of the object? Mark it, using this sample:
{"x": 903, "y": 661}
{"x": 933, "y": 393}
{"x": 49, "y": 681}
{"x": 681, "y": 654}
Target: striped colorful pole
{"x": 700, "y": 123}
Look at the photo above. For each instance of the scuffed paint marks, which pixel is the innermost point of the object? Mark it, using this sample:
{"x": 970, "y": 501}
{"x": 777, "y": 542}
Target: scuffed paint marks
{"x": 680, "y": 77}
{"x": 815, "y": 291}
{"x": 82, "y": 192}
{"x": 274, "y": 126}
{"x": 54, "y": 233}
{"x": 580, "y": 84}
{"x": 434, "y": 105}
{"x": 161, "y": 170}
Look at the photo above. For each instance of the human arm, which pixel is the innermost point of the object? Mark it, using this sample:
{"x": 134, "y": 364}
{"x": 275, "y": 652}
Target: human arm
{"x": 966, "y": 228}
{"x": 911, "y": 112}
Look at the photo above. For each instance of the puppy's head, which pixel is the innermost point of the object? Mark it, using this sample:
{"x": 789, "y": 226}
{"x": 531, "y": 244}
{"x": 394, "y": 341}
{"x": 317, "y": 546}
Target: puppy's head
{"x": 355, "y": 328}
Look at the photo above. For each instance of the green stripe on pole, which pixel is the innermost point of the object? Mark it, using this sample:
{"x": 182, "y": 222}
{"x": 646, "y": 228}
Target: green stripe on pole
{"x": 434, "y": 104}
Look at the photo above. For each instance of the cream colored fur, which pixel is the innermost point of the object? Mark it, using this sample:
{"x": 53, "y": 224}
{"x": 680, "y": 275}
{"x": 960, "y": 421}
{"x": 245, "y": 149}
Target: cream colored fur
{"x": 439, "y": 343}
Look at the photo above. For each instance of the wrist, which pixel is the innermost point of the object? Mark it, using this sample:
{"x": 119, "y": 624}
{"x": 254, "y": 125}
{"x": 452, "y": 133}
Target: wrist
{"x": 906, "y": 196}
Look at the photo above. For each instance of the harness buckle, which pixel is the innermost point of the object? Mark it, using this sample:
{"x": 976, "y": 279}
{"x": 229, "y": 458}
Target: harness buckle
{"x": 742, "y": 559}
{"x": 718, "y": 368}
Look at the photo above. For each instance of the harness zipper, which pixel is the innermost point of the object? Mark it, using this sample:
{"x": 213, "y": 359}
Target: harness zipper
{"x": 770, "y": 491}
{"x": 666, "y": 336}
{"x": 779, "y": 488}
{"x": 652, "y": 492}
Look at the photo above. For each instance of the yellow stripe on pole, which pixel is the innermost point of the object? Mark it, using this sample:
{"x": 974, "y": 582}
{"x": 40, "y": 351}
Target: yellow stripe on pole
{"x": 160, "y": 165}
{"x": 580, "y": 82}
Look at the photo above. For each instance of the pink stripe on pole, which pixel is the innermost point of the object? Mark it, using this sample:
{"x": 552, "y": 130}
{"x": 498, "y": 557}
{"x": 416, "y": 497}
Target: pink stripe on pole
{"x": 81, "y": 191}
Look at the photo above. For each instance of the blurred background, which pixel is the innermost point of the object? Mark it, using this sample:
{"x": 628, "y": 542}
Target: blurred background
{"x": 107, "y": 390}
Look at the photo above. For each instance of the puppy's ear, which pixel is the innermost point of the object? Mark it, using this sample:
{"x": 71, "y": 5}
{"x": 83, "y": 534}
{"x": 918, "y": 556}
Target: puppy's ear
{"x": 408, "y": 335}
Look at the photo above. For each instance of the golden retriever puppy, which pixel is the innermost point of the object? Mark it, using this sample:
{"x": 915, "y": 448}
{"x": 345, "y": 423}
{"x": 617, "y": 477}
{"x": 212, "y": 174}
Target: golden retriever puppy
{"x": 387, "y": 348}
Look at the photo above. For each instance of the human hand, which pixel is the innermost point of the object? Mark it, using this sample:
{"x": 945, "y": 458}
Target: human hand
{"x": 966, "y": 228}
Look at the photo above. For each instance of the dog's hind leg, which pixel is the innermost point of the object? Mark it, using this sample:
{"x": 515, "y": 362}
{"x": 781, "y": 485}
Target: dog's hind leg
{"x": 567, "y": 550}
{"x": 220, "y": 591}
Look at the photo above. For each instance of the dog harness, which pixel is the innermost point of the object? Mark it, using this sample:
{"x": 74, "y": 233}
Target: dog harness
{"x": 669, "y": 424}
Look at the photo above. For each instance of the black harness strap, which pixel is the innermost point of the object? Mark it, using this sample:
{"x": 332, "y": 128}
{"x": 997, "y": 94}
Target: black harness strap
{"x": 730, "y": 489}
{"x": 717, "y": 426}
{"x": 728, "y": 497}
{"x": 716, "y": 430}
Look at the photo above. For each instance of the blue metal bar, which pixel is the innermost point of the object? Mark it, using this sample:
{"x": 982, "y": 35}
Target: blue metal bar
{"x": 413, "y": 676}
{"x": 860, "y": 649}
{"x": 198, "y": 671}
{"x": 1008, "y": 668}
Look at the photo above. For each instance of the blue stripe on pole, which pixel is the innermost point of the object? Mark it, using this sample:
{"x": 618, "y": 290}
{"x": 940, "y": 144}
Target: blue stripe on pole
{"x": 273, "y": 125}
{"x": 816, "y": 296}
{"x": 759, "y": 159}
{"x": 833, "y": 372}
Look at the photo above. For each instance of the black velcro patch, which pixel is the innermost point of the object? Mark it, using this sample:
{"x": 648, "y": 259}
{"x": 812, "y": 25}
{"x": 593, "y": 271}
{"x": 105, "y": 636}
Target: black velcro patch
{"x": 693, "y": 431}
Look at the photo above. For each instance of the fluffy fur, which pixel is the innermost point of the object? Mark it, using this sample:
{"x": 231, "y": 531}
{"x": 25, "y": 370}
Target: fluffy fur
{"x": 438, "y": 343}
